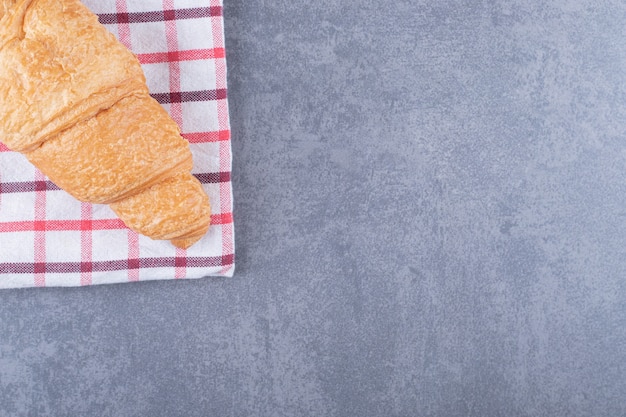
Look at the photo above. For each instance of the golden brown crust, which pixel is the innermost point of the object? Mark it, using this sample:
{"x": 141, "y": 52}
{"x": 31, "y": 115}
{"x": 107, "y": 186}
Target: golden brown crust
{"x": 86, "y": 159}
{"x": 11, "y": 24}
{"x": 75, "y": 102}
{"x": 5, "y": 6}
{"x": 59, "y": 66}
{"x": 176, "y": 208}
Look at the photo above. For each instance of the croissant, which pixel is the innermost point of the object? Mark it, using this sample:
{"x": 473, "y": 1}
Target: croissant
{"x": 75, "y": 102}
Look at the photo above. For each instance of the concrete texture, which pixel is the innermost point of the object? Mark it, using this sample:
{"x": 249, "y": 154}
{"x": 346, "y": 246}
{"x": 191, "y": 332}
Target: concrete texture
{"x": 431, "y": 221}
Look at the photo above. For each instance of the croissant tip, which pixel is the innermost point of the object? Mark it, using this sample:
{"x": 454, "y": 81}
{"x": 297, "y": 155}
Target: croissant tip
{"x": 185, "y": 243}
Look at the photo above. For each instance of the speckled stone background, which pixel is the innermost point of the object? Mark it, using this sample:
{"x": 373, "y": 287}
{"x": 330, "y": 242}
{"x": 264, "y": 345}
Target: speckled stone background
{"x": 430, "y": 217}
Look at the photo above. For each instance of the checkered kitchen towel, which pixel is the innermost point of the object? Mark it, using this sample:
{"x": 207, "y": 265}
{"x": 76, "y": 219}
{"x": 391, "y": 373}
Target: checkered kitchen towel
{"x": 49, "y": 239}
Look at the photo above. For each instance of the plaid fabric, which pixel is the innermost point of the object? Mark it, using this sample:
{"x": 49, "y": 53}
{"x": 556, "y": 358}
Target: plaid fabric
{"x": 49, "y": 239}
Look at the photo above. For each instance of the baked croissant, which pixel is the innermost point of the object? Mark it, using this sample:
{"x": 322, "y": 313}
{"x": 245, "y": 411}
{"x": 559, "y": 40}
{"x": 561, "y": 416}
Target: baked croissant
{"x": 75, "y": 102}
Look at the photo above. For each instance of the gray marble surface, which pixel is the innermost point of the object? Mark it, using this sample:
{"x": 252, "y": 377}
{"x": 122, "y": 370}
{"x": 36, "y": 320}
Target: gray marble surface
{"x": 431, "y": 221}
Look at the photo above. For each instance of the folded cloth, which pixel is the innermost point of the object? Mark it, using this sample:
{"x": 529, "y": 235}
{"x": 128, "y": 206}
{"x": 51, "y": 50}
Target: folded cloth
{"x": 47, "y": 238}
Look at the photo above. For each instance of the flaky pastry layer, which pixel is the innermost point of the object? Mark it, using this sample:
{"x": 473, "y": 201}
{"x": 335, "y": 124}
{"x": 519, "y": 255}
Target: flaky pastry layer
{"x": 59, "y": 66}
{"x": 176, "y": 208}
{"x": 117, "y": 153}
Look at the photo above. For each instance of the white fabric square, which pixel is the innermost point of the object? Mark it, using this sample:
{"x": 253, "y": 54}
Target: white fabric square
{"x": 194, "y": 34}
{"x": 62, "y": 245}
{"x": 55, "y": 279}
{"x": 199, "y": 116}
{"x": 143, "y": 5}
{"x": 17, "y": 250}
{"x": 193, "y": 78}
{"x": 109, "y": 245}
{"x": 157, "y": 77}
{"x": 15, "y": 167}
{"x": 61, "y": 206}
{"x": 17, "y": 207}
{"x": 151, "y": 38}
